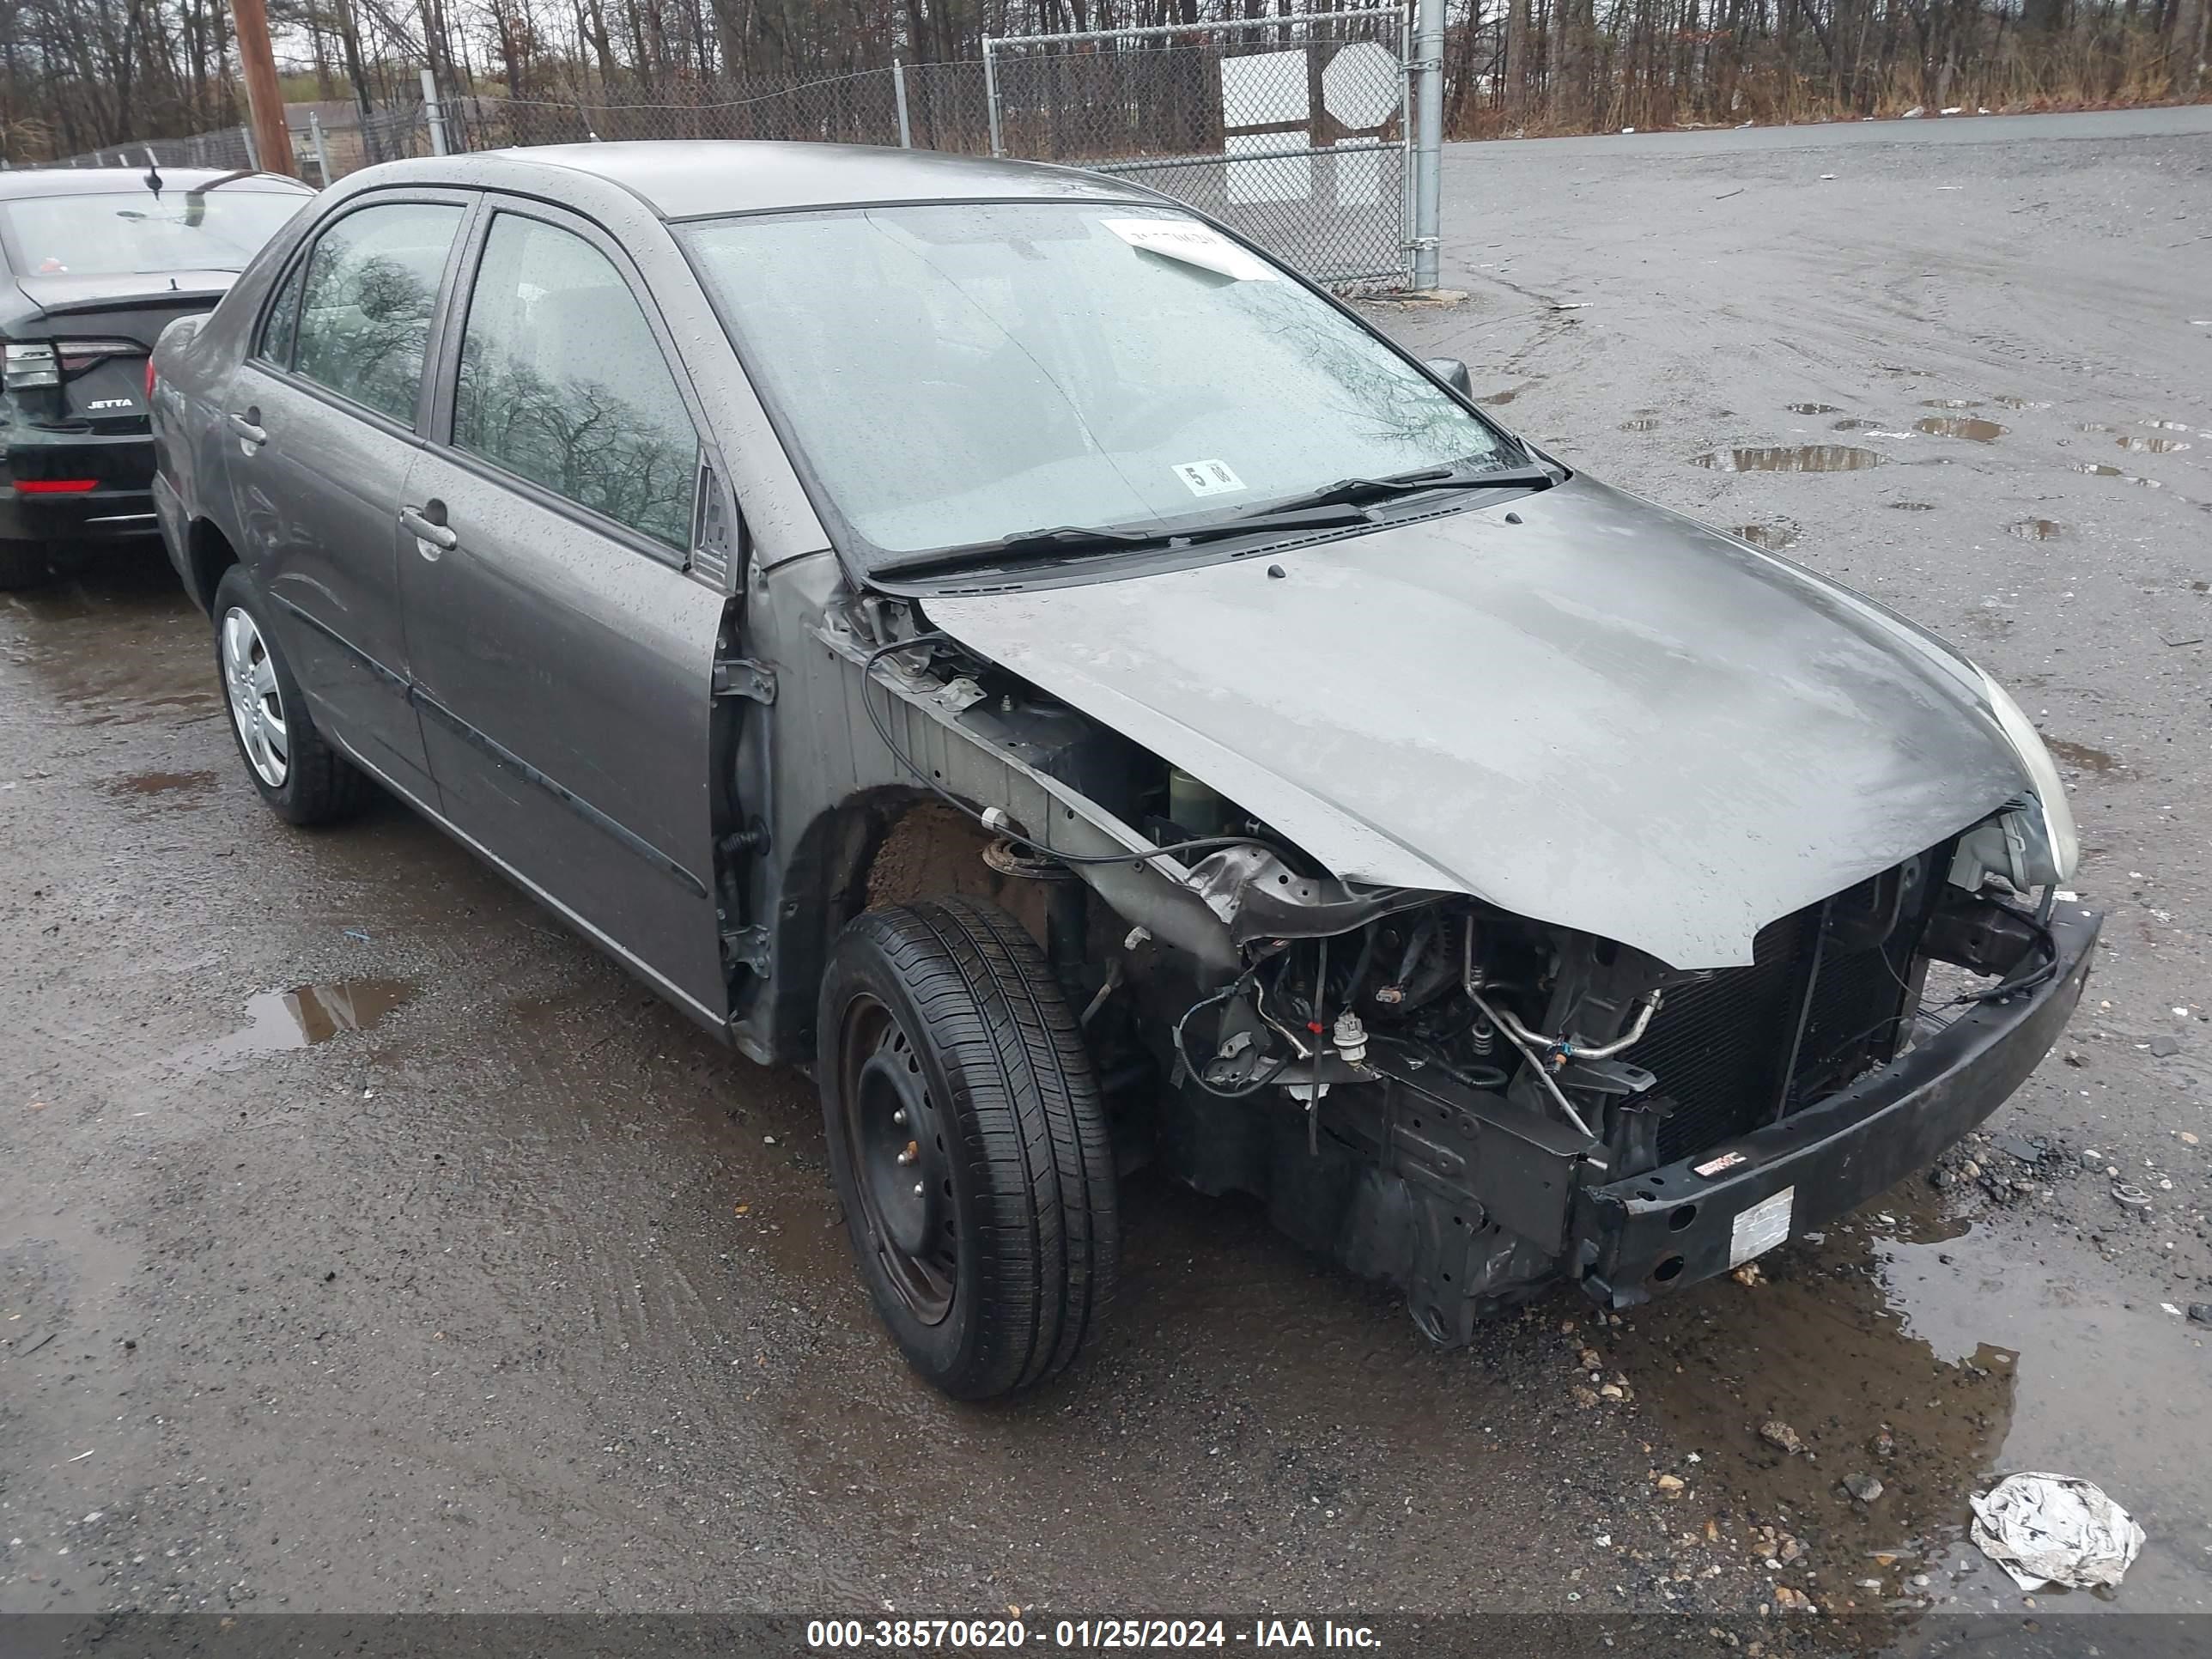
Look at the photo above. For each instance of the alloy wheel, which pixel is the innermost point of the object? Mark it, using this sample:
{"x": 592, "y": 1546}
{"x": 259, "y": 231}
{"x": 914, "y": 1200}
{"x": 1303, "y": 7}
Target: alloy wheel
{"x": 257, "y": 706}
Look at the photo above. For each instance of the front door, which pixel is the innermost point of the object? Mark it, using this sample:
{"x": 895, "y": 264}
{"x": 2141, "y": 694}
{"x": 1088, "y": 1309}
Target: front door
{"x": 563, "y": 654}
{"x": 323, "y": 415}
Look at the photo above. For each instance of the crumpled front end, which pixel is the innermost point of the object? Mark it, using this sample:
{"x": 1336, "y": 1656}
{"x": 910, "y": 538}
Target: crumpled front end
{"x": 1468, "y": 1102}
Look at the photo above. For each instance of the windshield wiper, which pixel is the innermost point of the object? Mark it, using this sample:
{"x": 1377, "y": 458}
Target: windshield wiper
{"x": 1406, "y": 483}
{"x": 1072, "y": 540}
{"x": 1340, "y": 503}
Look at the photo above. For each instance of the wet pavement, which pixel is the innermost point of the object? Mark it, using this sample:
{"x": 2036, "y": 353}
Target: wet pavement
{"x": 366, "y": 1242}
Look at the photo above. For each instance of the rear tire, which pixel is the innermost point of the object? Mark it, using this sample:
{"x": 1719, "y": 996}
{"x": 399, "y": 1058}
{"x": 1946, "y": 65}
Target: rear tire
{"x": 24, "y": 564}
{"x": 300, "y": 777}
{"x": 968, "y": 1144}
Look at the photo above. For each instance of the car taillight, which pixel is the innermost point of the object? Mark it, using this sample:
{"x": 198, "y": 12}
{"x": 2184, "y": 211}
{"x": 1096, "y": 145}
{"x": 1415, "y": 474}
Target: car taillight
{"x": 56, "y": 486}
{"x": 30, "y": 365}
{"x": 149, "y": 382}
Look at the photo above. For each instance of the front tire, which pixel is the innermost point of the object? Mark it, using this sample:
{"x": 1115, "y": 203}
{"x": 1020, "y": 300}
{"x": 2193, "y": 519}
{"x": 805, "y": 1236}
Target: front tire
{"x": 299, "y": 775}
{"x": 968, "y": 1144}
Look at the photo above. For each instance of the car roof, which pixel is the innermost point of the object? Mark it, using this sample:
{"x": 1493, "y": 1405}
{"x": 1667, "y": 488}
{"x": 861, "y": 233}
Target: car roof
{"x": 18, "y": 182}
{"x": 699, "y": 178}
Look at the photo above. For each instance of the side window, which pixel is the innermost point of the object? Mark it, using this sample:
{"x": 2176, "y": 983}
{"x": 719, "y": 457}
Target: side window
{"x": 283, "y": 316}
{"x": 365, "y": 313}
{"x": 562, "y": 383}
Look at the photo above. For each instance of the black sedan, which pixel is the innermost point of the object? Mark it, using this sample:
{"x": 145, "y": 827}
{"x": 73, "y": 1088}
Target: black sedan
{"x": 98, "y": 261}
{"x": 986, "y": 633}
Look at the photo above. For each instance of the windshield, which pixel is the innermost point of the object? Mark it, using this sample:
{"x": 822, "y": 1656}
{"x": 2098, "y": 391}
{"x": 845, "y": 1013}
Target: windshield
{"x": 122, "y": 233}
{"x": 953, "y": 375}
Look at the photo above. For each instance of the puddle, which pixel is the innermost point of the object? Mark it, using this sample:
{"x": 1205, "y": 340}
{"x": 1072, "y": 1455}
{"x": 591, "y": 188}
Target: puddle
{"x": 2020, "y": 403}
{"x": 1853, "y": 424}
{"x": 2166, "y": 426}
{"x": 2094, "y": 426}
{"x": 162, "y": 783}
{"x": 122, "y": 648}
{"x": 1815, "y": 409}
{"x": 280, "y": 1020}
{"x": 1950, "y": 403}
{"x": 1932, "y": 1355}
{"x": 2080, "y": 754}
{"x": 2099, "y": 469}
{"x": 1911, "y": 506}
{"x": 1767, "y": 535}
{"x": 2036, "y": 530}
{"x": 2150, "y": 445}
{"x": 1505, "y": 397}
{"x": 1790, "y": 458}
{"x": 1642, "y": 423}
{"x": 1961, "y": 426}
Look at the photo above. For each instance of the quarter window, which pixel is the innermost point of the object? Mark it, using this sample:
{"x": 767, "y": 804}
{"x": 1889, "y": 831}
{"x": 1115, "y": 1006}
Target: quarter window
{"x": 563, "y": 383}
{"x": 283, "y": 316}
{"x": 365, "y": 316}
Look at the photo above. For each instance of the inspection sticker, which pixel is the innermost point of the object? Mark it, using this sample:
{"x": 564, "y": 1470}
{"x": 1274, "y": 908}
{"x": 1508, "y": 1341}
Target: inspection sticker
{"x": 1193, "y": 244}
{"x": 1760, "y": 1228}
{"x": 1207, "y": 478}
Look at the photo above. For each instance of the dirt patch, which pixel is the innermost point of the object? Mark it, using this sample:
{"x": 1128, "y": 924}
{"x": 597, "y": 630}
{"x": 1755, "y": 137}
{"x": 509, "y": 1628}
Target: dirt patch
{"x": 164, "y": 783}
{"x": 936, "y": 850}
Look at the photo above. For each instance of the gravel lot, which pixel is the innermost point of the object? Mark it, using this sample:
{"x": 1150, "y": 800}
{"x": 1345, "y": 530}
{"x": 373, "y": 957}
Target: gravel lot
{"x": 470, "y": 1278}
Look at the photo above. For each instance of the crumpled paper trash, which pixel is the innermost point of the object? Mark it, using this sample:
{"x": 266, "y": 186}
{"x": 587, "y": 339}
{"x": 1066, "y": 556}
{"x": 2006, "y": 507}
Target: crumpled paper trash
{"x": 2054, "y": 1529}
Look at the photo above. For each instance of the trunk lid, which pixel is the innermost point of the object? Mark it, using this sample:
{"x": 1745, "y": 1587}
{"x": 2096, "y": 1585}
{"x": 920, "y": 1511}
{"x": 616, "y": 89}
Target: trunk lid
{"x": 114, "y": 322}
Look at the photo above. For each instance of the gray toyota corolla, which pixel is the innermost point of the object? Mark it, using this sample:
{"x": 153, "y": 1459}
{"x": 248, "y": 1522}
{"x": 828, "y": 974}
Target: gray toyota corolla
{"x": 985, "y": 633}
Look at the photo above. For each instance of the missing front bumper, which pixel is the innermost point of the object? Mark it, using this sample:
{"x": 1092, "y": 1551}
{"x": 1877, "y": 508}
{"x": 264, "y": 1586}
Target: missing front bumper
{"x": 1673, "y": 1226}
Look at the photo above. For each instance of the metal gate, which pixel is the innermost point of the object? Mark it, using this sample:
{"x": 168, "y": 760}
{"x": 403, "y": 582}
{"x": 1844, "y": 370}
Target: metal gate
{"x": 1292, "y": 129}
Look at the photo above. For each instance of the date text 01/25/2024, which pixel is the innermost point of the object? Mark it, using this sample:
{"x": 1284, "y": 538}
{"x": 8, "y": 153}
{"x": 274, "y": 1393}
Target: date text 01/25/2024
{"x": 831, "y": 1635}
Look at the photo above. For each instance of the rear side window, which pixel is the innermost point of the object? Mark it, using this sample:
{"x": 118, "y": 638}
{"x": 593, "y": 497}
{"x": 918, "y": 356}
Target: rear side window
{"x": 372, "y": 283}
{"x": 562, "y": 383}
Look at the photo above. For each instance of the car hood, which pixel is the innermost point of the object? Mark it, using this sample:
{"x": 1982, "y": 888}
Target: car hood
{"x": 1575, "y": 705}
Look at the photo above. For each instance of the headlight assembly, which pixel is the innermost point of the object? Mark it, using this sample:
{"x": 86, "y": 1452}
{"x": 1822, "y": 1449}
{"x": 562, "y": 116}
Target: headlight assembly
{"x": 2061, "y": 848}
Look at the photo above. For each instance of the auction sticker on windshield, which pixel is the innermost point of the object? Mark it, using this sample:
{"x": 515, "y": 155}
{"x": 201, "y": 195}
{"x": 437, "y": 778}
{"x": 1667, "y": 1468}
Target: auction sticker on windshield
{"x": 1207, "y": 478}
{"x": 1193, "y": 243}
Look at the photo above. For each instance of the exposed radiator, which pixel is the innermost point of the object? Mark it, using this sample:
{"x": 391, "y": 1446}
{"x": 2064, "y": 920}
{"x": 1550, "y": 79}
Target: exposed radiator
{"x": 1722, "y": 1042}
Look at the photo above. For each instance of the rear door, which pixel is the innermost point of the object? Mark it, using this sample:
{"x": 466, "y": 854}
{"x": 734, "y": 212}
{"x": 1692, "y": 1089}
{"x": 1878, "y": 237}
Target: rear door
{"x": 324, "y": 415}
{"x": 562, "y": 649}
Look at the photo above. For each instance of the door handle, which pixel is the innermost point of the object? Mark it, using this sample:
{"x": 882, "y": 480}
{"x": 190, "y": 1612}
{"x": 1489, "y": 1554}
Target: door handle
{"x": 248, "y": 426}
{"x": 426, "y": 524}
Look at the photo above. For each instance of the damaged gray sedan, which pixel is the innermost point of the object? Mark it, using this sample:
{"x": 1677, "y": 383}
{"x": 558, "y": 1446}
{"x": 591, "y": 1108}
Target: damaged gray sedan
{"x": 987, "y": 634}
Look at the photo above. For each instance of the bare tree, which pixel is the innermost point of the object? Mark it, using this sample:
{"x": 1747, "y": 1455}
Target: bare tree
{"x": 76, "y": 74}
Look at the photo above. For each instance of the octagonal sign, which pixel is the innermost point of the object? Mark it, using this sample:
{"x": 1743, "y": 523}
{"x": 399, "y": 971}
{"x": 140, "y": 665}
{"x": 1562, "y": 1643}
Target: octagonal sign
{"x": 1360, "y": 86}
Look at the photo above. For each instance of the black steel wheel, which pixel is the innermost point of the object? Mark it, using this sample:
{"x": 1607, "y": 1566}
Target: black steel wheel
{"x": 968, "y": 1144}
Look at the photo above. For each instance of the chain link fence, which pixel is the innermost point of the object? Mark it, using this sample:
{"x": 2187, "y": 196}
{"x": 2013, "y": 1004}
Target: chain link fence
{"x": 922, "y": 105}
{"x": 329, "y": 140}
{"x": 1292, "y": 129}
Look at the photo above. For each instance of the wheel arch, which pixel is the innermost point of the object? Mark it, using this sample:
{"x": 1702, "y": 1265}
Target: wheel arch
{"x": 879, "y": 847}
{"x": 208, "y": 554}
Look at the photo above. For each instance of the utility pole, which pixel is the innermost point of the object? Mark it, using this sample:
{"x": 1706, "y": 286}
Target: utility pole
{"x": 265, "y": 99}
{"x": 1428, "y": 67}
